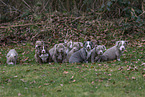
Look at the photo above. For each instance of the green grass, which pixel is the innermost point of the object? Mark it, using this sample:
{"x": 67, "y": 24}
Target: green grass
{"x": 106, "y": 79}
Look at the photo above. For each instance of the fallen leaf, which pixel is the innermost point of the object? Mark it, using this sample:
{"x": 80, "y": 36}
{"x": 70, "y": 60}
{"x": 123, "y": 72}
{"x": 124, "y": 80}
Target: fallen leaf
{"x": 65, "y": 72}
{"x": 92, "y": 82}
{"x": 46, "y": 84}
{"x": 23, "y": 80}
{"x": 19, "y": 94}
{"x": 16, "y": 76}
{"x": 72, "y": 77}
{"x": 133, "y": 78}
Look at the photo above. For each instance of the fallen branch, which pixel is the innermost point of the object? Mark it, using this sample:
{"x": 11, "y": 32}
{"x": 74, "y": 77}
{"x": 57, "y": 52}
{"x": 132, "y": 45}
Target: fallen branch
{"x": 12, "y": 26}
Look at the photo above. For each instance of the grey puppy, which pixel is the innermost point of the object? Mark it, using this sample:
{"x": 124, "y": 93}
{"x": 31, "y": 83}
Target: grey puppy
{"x": 76, "y": 46}
{"x": 68, "y": 45}
{"x": 41, "y": 54}
{"x": 58, "y": 53}
{"x": 73, "y": 50}
{"x": 12, "y": 57}
{"x": 82, "y": 55}
{"x": 96, "y": 52}
{"x": 114, "y": 52}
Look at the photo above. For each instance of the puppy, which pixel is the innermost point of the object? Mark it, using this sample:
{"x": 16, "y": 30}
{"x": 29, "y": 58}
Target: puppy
{"x": 42, "y": 54}
{"x": 73, "y": 50}
{"x": 82, "y": 55}
{"x": 12, "y": 57}
{"x": 114, "y": 52}
{"x": 58, "y": 53}
{"x": 68, "y": 45}
{"x": 96, "y": 52}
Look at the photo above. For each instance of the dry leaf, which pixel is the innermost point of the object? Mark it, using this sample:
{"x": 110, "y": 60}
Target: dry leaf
{"x": 19, "y": 94}
{"x": 46, "y": 84}
{"x": 39, "y": 86}
{"x": 65, "y": 72}
{"x": 61, "y": 84}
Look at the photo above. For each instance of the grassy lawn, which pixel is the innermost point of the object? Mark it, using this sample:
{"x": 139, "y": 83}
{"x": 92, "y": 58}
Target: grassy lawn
{"x": 107, "y": 79}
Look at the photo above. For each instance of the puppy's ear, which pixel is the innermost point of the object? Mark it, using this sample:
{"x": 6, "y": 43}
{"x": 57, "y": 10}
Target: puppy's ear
{"x": 84, "y": 43}
{"x": 65, "y": 42}
{"x": 81, "y": 44}
{"x": 117, "y": 43}
{"x": 92, "y": 44}
{"x": 70, "y": 44}
{"x": 55, "y": 47}
{"x": 104, "y": 47}
{"x": 126, "y": 42}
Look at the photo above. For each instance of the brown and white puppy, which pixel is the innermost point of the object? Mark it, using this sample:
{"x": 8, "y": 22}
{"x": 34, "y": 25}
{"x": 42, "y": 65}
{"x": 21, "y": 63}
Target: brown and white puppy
{"x": 114, "y": 52}
{"x": 42, "y": 54}
{"x": 96, "y": 52}
{"x": 58, "y": 53}
{"x": 82, "y": 55}
{"x": 12, "y": 57}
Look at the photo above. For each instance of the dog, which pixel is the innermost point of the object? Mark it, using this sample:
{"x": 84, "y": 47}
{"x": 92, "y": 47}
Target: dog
{"x": 96, "y": 52}
{"x": 73, "y": 50}
{"x": 12, "y": 57}
{"x": 68, "y": 45}
{"x": 58, "y": 53}
{"x": 41, "y": 54}
{"x": 114, "y": 52}
{"x": 82, "y": 55}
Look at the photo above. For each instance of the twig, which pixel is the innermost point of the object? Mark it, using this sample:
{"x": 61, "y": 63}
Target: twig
{"x": 28, "y": 5}
{"x": 12, "y": 26}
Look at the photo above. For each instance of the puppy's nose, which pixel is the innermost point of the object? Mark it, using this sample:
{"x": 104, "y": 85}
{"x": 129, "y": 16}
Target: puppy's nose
{"x": 43, "y": 51}
{"x": 101, "y": 53}
{"x": 88, "y": 47}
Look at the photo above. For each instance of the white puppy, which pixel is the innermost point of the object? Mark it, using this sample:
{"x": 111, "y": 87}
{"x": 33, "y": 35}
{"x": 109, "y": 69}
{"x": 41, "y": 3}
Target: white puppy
{"x": 114, "y": 52}
{"x": 12, "y": 57}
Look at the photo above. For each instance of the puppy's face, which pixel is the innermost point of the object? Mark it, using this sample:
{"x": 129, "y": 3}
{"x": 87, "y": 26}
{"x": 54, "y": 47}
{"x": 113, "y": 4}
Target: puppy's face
{"x": 60, "y": 50}
{"x": 100, "y": 49}
{"x": 77, "y": 45}
{"x": 75, "y": 49}
{"x": 88, "y": 45}
{"x": 43, "y": 49}
{"x": 12, "y": 57}
{"x": 121, "y": 45}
